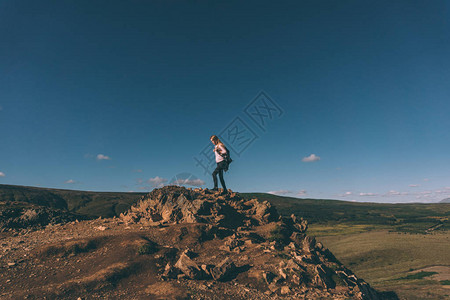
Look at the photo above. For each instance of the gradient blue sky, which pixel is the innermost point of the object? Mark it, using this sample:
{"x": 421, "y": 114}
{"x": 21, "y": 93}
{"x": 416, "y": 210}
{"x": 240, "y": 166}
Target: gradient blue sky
{"x": 122, "y": 95}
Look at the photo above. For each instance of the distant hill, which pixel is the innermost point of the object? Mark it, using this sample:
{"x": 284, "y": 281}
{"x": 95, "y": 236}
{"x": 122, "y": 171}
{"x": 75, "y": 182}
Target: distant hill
{"x": 407, "y": 217}
{"x": 411, "y": 217}
{"x": 93, "y": 204}
{"x": 446, "y": 200}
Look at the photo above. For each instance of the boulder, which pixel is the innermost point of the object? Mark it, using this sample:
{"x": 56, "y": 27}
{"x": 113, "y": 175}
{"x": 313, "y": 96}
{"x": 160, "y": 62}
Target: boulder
{"x": 223, "y": 270}
{"x": 188, "y": 267}
{"x": 170, "y": 271}
{"x": 285, "y": 290}
{"x": 268, "y": 277}
{"x": 264, "y": 212}
{"x": 308, "y": 243}
{"x": 323, "y": 277}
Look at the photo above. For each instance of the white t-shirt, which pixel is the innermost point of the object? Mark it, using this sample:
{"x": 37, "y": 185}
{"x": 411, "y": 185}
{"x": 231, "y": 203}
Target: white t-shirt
{"x": 222, "y": 150}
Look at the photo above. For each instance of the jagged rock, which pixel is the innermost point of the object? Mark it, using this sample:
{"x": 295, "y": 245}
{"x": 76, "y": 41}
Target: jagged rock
{"x": 319, "y": 246}
{"x": 300, "y": 225}
{"x": 350, "y": 280}
{"x": 365, "y": 291}
{"x": 278, "y": 279}
{"x": 268, "y": 277}
{"x": 291, "y": 264}
{"x": 223, "y": 270}
{"x": 297, "y": 239}
{"x": 323, "y": 277}
{"x": 231, "y": 243}
{"x": 188, "y": 267}
{"x": 308, "y": 243}
{"x": 296, "y": 279}
{"x": 189, "y": 253}
{"x": 263, "y": 212}
{"x": 285, "y": 290}
{"x": 170, "y": 271}
{"x": 273, "y": 287}
{"x": 282, "y": 273}
{"x": 207, "y": 269}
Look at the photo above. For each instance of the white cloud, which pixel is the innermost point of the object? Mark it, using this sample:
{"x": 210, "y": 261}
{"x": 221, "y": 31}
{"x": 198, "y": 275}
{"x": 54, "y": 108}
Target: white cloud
{"x": 2, "y": 174}
{"x": 414, "y": 185}
{"x": 193, "y": 182}
{"x": 301, "y": 193}
{"x": 102, "y": 157}
{"x": 1, "y": 108}
{"x": 347, "y": 194}
{"x": 280, "y": 192}
{"x": 137, "y": 171}
{"x": 311, "y": 158}
{"x": 157, "y": 181}
{"x": 426, "y": 192}
{"x": 392, "y": 192}
{"x": 368, "y": 194}
{"x": 426, "y": 179}
{"x": 70, "y": 181}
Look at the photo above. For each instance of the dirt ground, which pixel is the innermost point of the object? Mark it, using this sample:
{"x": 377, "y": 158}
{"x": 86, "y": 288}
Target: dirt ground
{"x": 100, "y": 259}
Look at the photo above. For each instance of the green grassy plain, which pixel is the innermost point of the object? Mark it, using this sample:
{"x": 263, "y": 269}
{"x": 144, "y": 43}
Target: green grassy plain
{"x": 391, "y": 260}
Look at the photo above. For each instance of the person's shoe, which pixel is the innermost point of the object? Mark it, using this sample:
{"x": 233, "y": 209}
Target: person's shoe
{"x": 214, "y": 189}
{"x": 224, "y": 192}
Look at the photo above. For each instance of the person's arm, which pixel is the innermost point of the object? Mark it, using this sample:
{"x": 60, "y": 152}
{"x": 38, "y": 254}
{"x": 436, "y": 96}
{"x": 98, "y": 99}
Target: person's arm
{"x": 221, "y": 150}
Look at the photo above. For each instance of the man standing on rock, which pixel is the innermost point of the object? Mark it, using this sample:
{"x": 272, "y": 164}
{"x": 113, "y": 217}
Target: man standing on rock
{"x": 221, "y": 152}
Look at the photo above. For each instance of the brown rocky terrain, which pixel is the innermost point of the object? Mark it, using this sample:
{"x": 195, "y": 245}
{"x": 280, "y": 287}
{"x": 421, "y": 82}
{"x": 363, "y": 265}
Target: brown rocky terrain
{"x": 19, "y": 215}
{"x": 177, "y": 243}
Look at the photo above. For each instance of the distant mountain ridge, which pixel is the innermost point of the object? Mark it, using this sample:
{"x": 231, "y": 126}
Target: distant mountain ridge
{"x": 110, "y": 204}
{"x": 93, "y": 204}
{"x": 446, "y": 200}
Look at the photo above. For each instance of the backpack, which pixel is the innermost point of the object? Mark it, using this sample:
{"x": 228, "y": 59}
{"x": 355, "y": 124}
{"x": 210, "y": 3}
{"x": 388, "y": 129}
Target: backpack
{"x": 226, "y": 158}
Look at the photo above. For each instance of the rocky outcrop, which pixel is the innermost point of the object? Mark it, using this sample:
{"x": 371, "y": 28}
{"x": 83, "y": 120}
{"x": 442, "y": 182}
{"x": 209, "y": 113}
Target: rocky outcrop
{"x": 174, "y": 204}
{"x": 251, "y": 241}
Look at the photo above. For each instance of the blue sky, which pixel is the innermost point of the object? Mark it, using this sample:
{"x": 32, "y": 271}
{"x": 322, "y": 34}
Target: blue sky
{"x": 122, "y": 96}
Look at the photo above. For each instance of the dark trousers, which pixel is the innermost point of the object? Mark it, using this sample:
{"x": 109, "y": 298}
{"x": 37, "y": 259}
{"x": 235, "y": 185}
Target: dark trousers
{"x": 219, "y": 170}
